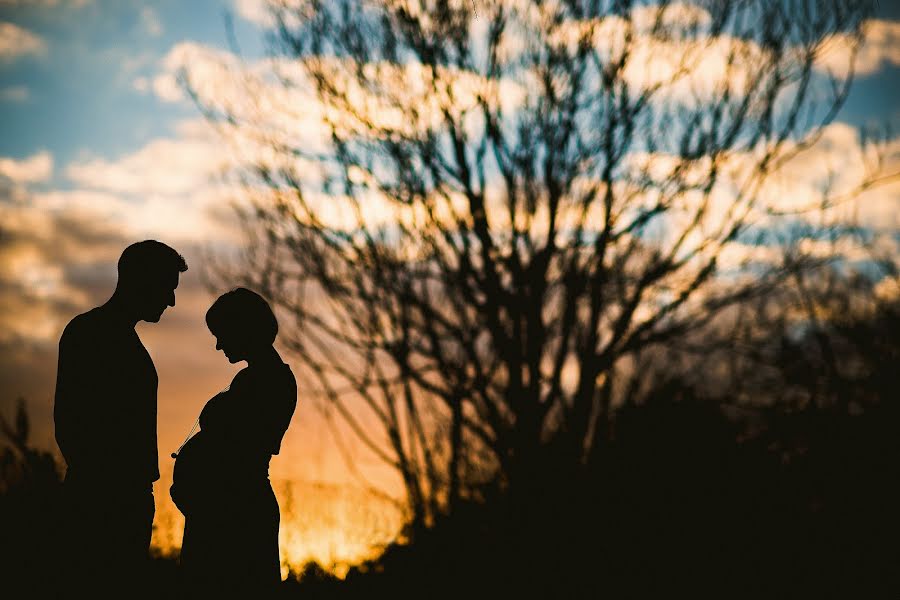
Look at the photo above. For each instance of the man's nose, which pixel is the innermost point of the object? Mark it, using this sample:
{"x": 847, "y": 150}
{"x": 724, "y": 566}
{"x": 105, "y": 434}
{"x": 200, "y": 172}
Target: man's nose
{"x": 172, "y": 299}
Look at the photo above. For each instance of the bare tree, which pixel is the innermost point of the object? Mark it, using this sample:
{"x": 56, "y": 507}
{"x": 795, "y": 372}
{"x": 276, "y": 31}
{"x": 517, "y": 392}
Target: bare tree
{"x": 509, "y": 198}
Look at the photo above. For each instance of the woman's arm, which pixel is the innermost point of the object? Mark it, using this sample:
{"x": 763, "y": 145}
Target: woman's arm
{"x": 260, "y": 408}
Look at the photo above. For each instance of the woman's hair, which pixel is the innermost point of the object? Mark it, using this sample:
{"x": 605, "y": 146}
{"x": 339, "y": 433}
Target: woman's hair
{"x": 245, "y": 315}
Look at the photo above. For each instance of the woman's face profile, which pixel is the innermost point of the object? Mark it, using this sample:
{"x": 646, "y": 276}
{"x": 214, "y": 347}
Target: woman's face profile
{"x": 243, "y": 325}
{"x": 229, "y": 346}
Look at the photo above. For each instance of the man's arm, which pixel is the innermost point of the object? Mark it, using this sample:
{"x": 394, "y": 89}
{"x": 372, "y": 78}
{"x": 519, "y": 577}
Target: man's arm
{"x": 72, "y": 408}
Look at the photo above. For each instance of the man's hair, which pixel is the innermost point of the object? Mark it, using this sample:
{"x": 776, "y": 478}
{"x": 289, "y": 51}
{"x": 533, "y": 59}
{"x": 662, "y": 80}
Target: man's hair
{"x": 149, "y": 259}
{"x": 244, "y": 313}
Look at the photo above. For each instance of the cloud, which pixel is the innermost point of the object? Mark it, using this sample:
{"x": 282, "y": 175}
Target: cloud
{"x": 167, "y": 166}
{"x": 141, "y": 84}
{"x": 211, "y": 68}
{"x": 690, "y": 70}
{"x": 150, "y": 22}
{"x": 15, "y": 93}
{"x": 841, "y": 161}
{"x": 58, "y": 254}
{"x": 691, "y": 66}
{"x": 38, "y": 167}
{"x": 16, "y": 42}
{"x": 49, "y": 261}
{"x": 270, "y": 113}
{"x": 166, "y": 88}
{"x": 255, "y": 11}
{"x": 689, "y": 62}
{"x": 836, "y": 164}
{"x": 177, "y": 186}
{"x": 880, "y": 48}
{"x": 46, "y": 3}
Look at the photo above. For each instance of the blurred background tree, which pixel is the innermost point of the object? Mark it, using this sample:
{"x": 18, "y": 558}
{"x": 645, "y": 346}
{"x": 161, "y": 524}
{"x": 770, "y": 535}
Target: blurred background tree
{"x": 586, "y": 276}
{"x": 514, "y": 207}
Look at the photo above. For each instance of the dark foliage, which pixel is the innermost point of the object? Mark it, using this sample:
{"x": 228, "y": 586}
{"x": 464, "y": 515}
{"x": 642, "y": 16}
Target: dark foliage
{"x": 677, "y": 506}
{"x": 685, "y": 497}
{"x": 30, "y": 486}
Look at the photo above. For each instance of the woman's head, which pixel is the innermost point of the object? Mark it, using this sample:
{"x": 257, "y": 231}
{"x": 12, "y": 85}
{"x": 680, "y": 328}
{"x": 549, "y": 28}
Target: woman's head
{"x": 242, "y": 322}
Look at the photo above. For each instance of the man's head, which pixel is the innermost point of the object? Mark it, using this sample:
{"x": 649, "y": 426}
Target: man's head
{"x": 148, "y": 276}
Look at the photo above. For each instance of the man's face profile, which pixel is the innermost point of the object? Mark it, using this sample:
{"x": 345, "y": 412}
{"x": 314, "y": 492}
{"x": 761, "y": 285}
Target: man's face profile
{"x": 157, "y": 295}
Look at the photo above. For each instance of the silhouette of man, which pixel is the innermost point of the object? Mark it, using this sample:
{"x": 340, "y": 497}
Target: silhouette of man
{"x": 105, "y": 416}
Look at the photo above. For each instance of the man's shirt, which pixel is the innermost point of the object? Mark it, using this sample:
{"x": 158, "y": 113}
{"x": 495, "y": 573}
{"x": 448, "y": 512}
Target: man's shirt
{"x": 105, "y": 407}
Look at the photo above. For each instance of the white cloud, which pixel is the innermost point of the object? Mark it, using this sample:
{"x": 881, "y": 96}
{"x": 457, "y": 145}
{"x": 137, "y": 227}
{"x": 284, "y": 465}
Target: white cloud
{"x": 880, "y": 48}
{"x": 838, "y": 162}
{"x": 38, "y": 167}
{"x": 184, "y": 218}
{"x": 132, "y": 63}
{"x": 47, "y": 254}
{"x": 150, "y": 22}
{"x": 15, "y": 93}
{"x": 163, "y": 166}
{"x": 211, "y": 70}
{"x": 688, "y": 69}
{"x": 840, "y": 159}
{"x": 59, "y": 247}
{"x": 678, "y": 15}
{"x": 255, "y": 11}
{"x": 171, "y": 187}
{"x": 167, "y": 88}
{"x": 46, "y": 3}
{"x": 16, "y": 42}
{"x": 141, "y": 84}
{"x": 272, "y": 114}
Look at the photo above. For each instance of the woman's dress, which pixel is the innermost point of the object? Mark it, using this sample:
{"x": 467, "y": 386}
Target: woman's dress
{"x": 231, "y": 514}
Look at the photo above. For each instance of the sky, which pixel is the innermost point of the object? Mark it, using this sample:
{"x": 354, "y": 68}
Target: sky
{"x": 99, "y": 148}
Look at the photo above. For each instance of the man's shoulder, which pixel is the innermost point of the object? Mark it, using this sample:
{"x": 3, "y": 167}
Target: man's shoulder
{"x": 87, "y": 325}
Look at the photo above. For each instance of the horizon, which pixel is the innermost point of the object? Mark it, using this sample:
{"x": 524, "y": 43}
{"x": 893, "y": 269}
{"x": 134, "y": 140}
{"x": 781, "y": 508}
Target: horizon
{"x": 101, "y": 147}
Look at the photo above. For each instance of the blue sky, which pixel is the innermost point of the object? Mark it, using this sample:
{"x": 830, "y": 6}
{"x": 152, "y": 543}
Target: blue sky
{"x": 88, "y": 127}
{"x": 82, "y": 144}
{"x": 80, "y": 94}
{"x": 83, "y": 123}
{"x": 89, "y": 133}
{"x": 75, "y": 97}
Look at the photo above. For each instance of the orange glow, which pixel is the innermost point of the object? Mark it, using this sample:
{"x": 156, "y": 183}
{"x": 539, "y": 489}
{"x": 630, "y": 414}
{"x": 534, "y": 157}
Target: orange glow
{"x": 336, "y": 526}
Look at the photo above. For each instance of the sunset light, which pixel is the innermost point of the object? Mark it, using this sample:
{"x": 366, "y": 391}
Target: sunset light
{"x": 491, "y": 298}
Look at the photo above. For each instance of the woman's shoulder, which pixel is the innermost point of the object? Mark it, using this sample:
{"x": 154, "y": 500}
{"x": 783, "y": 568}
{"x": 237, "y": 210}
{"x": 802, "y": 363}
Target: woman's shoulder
{"x": 285, "y": 387}
{"x": 273, "y": 376}
{"x": 283, "y": 379}
{"x": 287, "y": 374}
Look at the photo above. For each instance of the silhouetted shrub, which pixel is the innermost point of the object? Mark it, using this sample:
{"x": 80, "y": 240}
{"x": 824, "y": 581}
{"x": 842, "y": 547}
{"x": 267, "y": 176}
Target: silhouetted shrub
{"x": 685, "y": 495}
{"x": 30, "y": 484}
